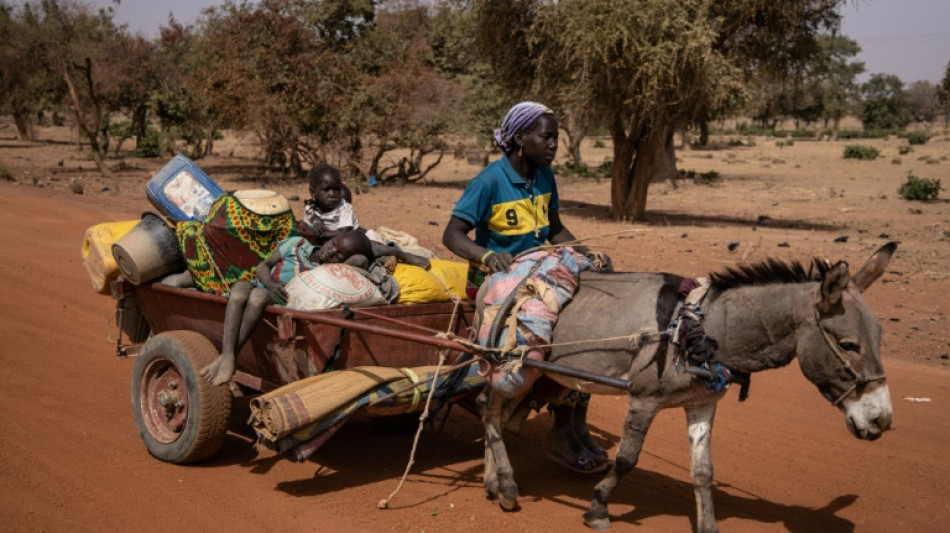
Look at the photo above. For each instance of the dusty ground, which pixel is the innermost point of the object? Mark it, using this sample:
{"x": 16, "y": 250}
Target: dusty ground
{"x": 71, "y": 459}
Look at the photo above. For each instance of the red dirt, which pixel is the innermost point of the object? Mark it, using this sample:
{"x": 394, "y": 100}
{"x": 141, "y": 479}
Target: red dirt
{"x": 71, "y": 459}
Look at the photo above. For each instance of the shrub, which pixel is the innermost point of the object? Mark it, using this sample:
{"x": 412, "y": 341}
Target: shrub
{"x": 599, "y": 144}
{"x": 803, "y": 134}
{"x": 864, "y": 134}
{"x": 152, "y": 145}
{"x": 856, "y": 151}
{"x": 896, "y": 161}
{"x": 704, "y": 178}
{"x": 76, "y": 187}
{"x": 919, "y": 188}
{"x": 5, "y": 174}
{"x": 707, "y": 178}
{"x": 904, "y": 150}
{"x": 917, "y": 137}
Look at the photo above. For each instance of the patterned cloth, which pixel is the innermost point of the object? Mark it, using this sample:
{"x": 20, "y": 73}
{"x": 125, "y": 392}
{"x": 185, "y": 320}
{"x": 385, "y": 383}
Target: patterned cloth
{"x": 538, "y": 300}
{"x": 519, "y": 119}
{"x": 230, "y": 242}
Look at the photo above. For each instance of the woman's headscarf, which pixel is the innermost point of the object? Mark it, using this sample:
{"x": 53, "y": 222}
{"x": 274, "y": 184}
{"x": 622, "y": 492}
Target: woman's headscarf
{"x": 519, "y": 119}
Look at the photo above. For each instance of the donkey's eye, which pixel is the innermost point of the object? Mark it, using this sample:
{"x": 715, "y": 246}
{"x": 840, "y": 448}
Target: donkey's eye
{"x": 849, "y": 346}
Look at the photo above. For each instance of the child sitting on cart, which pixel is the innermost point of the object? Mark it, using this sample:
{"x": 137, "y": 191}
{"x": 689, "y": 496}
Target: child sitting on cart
{"x": 247, "y": 300}
{"x": 329, "y": 213}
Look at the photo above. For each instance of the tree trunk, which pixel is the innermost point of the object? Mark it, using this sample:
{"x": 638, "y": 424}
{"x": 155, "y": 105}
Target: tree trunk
{"x": 575, "y": 135}
{"x": 834, "y": 127}
{"x": 90, "y": 130}
{"x": 139, "y": 125}
{"x": 620, "y": 184}
{"x": 24, "y": 125}
{"x": 703, "y": 132}
{"x": 653, "y": 161}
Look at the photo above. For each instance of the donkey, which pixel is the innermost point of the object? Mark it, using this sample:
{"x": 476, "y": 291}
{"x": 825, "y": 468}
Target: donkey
{"x": 762, "y": 315}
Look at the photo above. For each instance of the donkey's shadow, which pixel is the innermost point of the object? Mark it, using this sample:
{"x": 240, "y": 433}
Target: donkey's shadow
{"x": 354, "y": 458}
{"x": 654, "y": 494}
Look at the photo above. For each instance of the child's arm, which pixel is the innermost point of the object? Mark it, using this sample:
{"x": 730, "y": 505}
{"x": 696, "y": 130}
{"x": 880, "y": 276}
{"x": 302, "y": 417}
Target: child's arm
{"x": 267, "y": 280}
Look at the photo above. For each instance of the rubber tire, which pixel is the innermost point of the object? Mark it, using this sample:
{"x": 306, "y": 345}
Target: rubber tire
{"x": 207, "y": 406}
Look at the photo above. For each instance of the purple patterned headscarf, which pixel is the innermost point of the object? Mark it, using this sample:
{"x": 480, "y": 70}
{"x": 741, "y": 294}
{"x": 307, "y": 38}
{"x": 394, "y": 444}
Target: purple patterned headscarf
{"x": 519, "y": 119}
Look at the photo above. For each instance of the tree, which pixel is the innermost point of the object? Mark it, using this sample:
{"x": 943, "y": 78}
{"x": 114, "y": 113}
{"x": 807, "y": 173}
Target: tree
{"x": 885, "y": 106}
{"x": 922, "y": 101}
{"x": 645, "y": 68}
{"x": 27, "y": 84}
{"x": 943, "y": 96}
{"x": 72, "y": 39}
{"x": 834, "y": 78}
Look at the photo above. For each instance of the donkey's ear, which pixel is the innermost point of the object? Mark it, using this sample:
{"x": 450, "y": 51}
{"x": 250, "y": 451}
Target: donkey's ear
{"x": 874, "y": 267}
{"x": 833, "y": 284}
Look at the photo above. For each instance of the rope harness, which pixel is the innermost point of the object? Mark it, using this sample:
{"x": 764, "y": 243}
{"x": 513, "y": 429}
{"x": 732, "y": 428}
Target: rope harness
{"x": 859, "y": 378}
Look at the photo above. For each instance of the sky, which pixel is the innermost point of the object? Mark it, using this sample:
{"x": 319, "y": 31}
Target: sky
{"x": 908, "y": 38}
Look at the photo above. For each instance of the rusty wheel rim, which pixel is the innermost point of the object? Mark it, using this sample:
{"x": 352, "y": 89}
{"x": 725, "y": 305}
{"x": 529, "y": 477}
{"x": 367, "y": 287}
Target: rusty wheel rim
{"x": 164, "y": 401}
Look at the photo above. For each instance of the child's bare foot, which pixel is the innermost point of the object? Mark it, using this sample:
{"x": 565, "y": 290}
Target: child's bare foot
{"x": 219, "y": 371}
{"x": 416, "y": 260}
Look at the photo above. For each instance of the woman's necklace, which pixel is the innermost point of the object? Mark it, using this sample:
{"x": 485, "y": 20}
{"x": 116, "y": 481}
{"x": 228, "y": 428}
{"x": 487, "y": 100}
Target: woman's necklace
{"x": 534, "y": 204}
{"x": 528, "y": 176}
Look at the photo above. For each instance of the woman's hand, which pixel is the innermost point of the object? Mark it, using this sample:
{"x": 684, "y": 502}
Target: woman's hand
{"x": 600, "y": 261}
{"x": 497, "y": 261}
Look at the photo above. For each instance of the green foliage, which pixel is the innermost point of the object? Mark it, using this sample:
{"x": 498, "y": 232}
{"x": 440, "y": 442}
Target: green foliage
{"x": 601, "y": 171}
{"x": 152, "y": 145}
{"x": 885, "y": 105}
{"x": 917, "y": 137}
{"x": 857, "y": 151}
{"x": 943, "y": 95}
{"x": 701, "y": 178}
{"x": 922, "y": 103}
{"x": 803, "y": 134}
{"x": 904, "y": 150}
{"x": 919, "y": 188}
{"x": 865, "y": 134}
{"x": 599, "y": 144}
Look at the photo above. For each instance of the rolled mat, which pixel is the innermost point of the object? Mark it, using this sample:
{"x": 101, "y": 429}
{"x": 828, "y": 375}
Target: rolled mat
{"x": 301, "y": 411}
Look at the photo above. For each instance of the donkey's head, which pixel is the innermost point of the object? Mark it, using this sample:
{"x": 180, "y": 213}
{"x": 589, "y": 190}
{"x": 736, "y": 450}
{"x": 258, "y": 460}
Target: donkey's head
{"x": 840, "y": 352}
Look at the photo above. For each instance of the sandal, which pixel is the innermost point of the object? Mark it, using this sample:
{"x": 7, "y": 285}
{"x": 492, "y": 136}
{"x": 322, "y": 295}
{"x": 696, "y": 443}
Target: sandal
{"x": 586, "y": 463}
{"x": 600, "y": 454}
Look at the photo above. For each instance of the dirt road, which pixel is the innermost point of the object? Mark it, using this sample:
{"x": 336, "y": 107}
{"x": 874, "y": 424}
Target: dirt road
{"x": 71, "y": 460}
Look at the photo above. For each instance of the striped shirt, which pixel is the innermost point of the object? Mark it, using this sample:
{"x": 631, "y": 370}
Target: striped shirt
{"x": 508, "y": 214}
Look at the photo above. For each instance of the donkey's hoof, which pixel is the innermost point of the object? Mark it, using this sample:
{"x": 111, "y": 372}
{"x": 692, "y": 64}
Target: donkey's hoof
{"x": 491, "y": 490}
{"x": 600, "y": 524}
{"x": 508, "y": 504}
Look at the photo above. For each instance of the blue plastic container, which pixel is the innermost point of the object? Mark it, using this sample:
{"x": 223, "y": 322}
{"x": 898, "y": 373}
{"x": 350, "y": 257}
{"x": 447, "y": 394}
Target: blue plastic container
{"x": 182, "y": 191}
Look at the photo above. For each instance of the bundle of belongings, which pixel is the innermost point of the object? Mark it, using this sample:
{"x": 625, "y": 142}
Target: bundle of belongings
{"x": 298, "y": 418}
{"x": 219, "y": 238}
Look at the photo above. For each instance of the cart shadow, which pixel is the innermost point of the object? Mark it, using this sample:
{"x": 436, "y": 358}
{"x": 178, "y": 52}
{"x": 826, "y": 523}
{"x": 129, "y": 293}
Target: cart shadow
{"x": 362, "y": 454}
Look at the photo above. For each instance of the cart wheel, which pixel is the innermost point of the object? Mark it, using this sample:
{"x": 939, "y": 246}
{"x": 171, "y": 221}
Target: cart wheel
{"x": 181, "y": 417}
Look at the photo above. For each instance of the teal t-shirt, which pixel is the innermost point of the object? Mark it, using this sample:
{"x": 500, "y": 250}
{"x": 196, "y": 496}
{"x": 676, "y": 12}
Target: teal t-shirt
{"x": 508, "y": 214}
{"x": 296, "y": 253}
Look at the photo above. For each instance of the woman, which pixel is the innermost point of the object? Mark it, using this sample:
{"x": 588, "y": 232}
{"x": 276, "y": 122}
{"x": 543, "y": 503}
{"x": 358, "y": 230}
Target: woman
{"x": 513, "y": 206}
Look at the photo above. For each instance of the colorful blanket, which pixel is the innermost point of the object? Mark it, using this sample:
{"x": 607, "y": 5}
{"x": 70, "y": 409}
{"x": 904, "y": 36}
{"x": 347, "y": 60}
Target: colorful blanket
{"x": 539, "y": 299}
{"x": 230, "y": 242}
